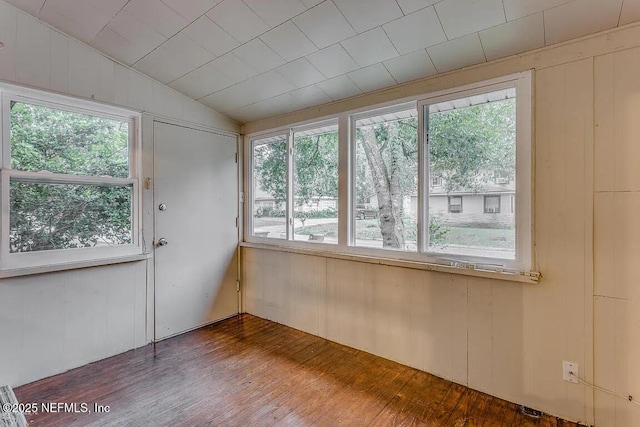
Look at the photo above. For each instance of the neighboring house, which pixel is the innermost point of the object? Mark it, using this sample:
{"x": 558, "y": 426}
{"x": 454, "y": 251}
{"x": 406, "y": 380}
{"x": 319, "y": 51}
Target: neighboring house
{"x": 493, "y": 205}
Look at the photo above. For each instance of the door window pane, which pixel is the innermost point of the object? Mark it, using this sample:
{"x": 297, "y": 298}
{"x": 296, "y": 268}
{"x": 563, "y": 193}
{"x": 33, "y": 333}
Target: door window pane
{"x": 472, "y": 148}
{"x": 386, "y": 181}
{"x": 315, "y": 186}
{"x": 270, "y": 187}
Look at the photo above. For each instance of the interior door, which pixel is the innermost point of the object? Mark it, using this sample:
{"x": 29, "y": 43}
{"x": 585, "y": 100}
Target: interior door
{"x": 196, "y": 235}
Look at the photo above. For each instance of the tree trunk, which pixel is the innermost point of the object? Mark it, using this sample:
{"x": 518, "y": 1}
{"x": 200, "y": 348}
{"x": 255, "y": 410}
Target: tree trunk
{"x": 387, "y": 192}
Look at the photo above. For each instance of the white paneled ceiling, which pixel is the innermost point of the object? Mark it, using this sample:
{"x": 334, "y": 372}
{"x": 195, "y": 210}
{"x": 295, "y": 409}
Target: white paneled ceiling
{"x": 252, "y": 59}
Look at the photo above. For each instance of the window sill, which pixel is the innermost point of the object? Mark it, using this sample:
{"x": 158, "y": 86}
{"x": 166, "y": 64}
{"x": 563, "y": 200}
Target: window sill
{"x": 50, "y": 268}
{"x": 531, "y": 278}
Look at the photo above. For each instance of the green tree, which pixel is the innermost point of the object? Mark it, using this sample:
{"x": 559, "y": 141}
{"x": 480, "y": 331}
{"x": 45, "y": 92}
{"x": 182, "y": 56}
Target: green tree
{"x": 468, "y": 146}
{"x": 46, "y": 216}
{"x": 315, "y": 168}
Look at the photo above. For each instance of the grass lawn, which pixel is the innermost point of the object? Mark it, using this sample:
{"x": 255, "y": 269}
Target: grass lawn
{"x": 369, "y": 229}
{"x": 483, "y": 237}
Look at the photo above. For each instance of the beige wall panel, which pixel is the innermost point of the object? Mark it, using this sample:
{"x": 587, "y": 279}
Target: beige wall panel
{"x": 509, "y": 344}
{"x": 420, "y": 309}
{"x": 564, "y": 133}
{"x": 617, "y": 109}
{"x": 604, "y": 244}
{"x": 480, "y": 316}
{"x": 627, "y": 244}
{"x": 605, "y": 130}
{"x": 347, "y": 305}
{"x": 627, "y": 355}
{"x": 78, "y": 316}
{"x": 308, "y": 292}
{"x": 617, "y": 236}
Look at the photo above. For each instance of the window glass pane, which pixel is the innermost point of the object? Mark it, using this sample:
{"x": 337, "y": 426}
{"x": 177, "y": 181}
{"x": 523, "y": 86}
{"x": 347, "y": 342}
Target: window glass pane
{"x": 472, "y": 148}
{"x": 386, "y": 181}
{"x": 315, "y": 185}
{"x": 64, "y": 216}
{"x": 492, "y": 204}
{"x": 270, "y": 187}
{"x": 47, "y": 139}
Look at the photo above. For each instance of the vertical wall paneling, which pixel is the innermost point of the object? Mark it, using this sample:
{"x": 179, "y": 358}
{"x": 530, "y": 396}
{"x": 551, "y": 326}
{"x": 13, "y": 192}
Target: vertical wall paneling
{"x": 617, "y": 236}
{"x": 78, "y": 316}
{"x": 564, "y": 134}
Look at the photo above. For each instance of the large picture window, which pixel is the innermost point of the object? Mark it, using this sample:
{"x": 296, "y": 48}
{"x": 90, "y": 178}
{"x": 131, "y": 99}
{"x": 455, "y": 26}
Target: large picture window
{"x": 69, "y": 183}
{"x": 445, "y": 178}
{"x": 471, "y": 141}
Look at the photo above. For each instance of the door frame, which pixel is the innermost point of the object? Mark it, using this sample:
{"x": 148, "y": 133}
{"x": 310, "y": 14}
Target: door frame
{"x": 147, "y": 180}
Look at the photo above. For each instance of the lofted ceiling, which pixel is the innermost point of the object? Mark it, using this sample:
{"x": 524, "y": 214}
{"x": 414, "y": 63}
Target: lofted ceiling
{"x": 252, "y": 59}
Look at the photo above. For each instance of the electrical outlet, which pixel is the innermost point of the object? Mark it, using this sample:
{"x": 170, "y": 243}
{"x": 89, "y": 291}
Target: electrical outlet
{"x": 567, "y": 369}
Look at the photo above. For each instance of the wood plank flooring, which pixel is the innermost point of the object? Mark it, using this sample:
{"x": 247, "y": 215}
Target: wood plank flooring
{"x": 247, "y": 371}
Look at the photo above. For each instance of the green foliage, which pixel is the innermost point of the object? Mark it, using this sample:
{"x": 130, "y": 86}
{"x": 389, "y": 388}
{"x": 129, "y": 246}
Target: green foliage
{"x": 279, "y": 213}
{"x": 468, "y": 145}
{"x": 44, "y": 139}
{"x": 315, "y": 167}
{"x": 62, "y": 216}
{"x": 270, "y": 169}
{"x": 437, "y": 231}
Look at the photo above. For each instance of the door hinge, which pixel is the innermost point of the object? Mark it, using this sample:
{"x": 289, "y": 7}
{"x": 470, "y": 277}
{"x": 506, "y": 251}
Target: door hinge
{"x": 236, "y": 157}
{"x": 238, "y": 285}
{"x": 237, "y": 222}
{"x": 242, "y": 197}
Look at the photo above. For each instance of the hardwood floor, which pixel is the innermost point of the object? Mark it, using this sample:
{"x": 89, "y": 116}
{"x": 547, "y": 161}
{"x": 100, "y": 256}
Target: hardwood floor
{"x": 248, "y": 371}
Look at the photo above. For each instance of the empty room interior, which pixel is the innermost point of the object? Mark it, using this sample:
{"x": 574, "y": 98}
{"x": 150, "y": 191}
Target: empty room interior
{"x": 319, "y": 212}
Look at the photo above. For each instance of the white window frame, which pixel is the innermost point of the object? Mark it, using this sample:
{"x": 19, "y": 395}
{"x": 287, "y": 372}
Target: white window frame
{"x": 523, "y": 262}
{"x": 288, "y": 133}
{"x": 522, "y": 82}
{"x": 57, "y": 257}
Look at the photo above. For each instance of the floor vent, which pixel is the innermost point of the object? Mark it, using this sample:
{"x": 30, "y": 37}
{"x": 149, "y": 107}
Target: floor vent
{"x": 9, "y": 414}
{"x": 530, "y": 412}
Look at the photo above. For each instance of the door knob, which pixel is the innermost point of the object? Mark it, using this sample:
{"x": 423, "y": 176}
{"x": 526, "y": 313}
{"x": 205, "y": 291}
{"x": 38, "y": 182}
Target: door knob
{"x": 162, "y": 207}
{"x": 162, "y": 242}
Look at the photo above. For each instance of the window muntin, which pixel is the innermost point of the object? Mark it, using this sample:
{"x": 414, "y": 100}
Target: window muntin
{"x": 69, "y": 180}
{"x": 315, "y": 184}
{"x": 472, "y": 145}
{"x": 386, "y": 180}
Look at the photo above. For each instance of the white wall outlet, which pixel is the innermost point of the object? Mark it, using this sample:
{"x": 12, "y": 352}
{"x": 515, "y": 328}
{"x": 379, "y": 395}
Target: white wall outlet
{"x": 567, "y": 369}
